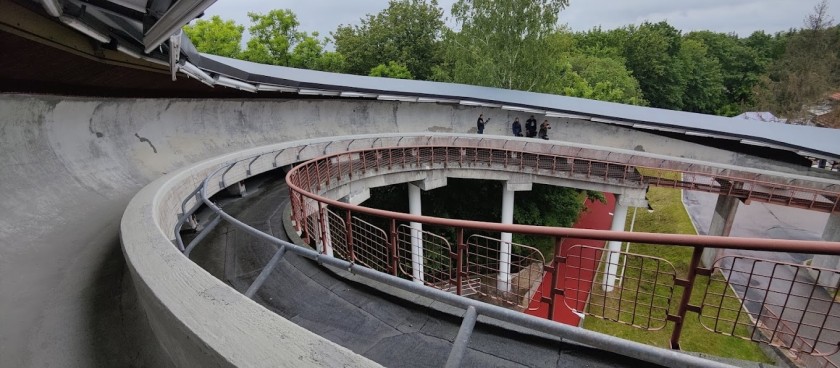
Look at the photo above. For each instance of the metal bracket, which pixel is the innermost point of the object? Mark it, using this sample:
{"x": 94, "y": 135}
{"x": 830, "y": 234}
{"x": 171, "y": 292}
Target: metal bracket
{"x": 222, "y": 180}
{"x": 301, "y": 150}
{"x": 248, "y": 172}
{"x": 174, "y": 53}
{"x": 274, "y": 163}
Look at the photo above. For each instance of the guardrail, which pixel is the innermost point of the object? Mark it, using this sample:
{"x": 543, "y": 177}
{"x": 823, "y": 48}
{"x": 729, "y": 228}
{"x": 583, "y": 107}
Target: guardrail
{"x": 646, "y": 299}
{"x": 268, "y": 159}
{"x": 474, "y": 308}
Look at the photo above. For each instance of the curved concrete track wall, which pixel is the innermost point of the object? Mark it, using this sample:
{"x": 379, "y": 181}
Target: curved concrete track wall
{"x": 70, "y": 165}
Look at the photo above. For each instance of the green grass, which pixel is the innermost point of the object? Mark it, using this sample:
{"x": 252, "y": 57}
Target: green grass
{"x": 670, "y": 217}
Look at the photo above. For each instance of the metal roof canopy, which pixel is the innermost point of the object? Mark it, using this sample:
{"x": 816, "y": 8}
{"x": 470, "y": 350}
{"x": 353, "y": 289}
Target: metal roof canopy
{"x": 161, "y": 19}
{"x": 804, "y": 140}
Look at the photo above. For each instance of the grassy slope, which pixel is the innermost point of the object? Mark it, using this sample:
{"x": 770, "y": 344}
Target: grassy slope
{"x": 670, "y": 216}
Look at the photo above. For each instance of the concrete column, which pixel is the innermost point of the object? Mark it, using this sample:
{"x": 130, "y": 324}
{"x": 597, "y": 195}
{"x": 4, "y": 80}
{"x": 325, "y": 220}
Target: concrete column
{"x": 414, "y": 207}
{"x": 614, "y": 247}
{"x": 237, "y": 189}
{"x": 830, "y": 233}
{"x": 503, "y": 281}
{"x": 722, "y": 220}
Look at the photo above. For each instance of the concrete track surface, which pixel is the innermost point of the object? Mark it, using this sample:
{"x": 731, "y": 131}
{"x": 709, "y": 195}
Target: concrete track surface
{"x": 69, "y": 166}
{"x": 385, "y": 329}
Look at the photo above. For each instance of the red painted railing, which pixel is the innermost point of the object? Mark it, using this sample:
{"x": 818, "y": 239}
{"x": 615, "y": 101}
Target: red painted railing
{"x": 645, "y": 299}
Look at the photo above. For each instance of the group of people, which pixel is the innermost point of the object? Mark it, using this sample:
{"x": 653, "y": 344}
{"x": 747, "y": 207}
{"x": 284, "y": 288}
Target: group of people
{"x": 530, "y": 127}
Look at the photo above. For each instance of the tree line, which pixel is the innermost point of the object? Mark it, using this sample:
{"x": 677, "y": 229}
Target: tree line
{"x": 519, "y": 44}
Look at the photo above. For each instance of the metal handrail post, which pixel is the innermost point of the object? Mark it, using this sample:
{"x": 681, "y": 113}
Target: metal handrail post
{"x": 459, "y": 272}
{"x": 394, "y": 256}
{"x": 688, "y": 286}
{"x": 348, "y": 232}
{"x": 555, "y": 274}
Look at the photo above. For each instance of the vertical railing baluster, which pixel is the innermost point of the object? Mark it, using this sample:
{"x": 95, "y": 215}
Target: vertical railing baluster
{"x": 323, "y": 225}
{"x": 348, "y": 231}
{"x": 459, "y": 273}
{"x": 555, "y": 274}
{"x": 394, "y": 256}
{"x": 688, "y": 286}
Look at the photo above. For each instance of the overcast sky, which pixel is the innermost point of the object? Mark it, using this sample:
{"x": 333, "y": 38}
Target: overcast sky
{"x": 739, "y": 16}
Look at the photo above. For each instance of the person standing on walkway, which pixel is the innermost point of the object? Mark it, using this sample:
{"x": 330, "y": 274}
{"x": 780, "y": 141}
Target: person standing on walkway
{"x": 544, "y": 127}
{"x": 531, "y": 127}
{"x": 480, "y": 123}
{"x": 517, "y": 128}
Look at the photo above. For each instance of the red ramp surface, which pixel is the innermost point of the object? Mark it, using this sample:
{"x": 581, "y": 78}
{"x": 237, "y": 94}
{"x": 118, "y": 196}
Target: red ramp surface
{"x": 597, "y": 216}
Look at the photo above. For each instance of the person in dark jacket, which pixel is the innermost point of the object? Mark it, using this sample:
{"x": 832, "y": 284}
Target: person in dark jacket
{"x": 544, "y": 127}
{"x": 517, "y": 127}
{"x": 480, "y": 123}
{"x": 531, "y": 127}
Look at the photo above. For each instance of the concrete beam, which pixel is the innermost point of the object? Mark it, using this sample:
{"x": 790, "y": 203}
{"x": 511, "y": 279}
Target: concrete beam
{"x": 356, "y": 197}
{"x": 434, "y": 179}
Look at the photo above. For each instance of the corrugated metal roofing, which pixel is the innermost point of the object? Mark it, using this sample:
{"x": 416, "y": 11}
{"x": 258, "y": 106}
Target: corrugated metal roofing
{"x": 804, "y": 139}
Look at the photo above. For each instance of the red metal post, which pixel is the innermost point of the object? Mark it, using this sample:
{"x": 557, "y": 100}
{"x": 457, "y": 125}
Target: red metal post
{"x": 688, "y": 286}
{"x": 445, "y": 157}
{"x": 555, "y": 274}
{"x": 323, "y": 225}
{"x": 327, "y": 161}
{"x": 459, "y": 280}
{"x": 348, "y": 232}
{"x": 363, "y": 156}
{"x": 317, "y": 176}
{"x": 394, "y": 256}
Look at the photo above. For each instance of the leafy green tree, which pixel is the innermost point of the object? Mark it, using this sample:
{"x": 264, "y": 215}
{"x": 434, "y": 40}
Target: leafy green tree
{"x": 391, "y": 70}
{"x": 599, "y": 78}
{"x": 216, "y": 36}
{"x": 309, "y": 54}
{"x": 407, "y": 32}
{"x": 652, "y": 53}
{"x": 739, "y": 65}
{"x": 502, "y": 43}
{"x": 600, "y": 43}
{"x": 704, "y": 89}
{"x": 332, "y": 61}
{"x": 808, "y": 70}
{"x": 273, "y": 36}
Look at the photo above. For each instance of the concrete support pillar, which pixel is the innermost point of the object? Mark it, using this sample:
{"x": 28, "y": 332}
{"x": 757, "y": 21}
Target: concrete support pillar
{"x": 722, "y": 220}
{"x": 614, "y": 247}
{"x": 237, "y": 189}
{"x": 415, "y": 208}
{"x": 503, "y": 281}
{"x": 830, "y": 233}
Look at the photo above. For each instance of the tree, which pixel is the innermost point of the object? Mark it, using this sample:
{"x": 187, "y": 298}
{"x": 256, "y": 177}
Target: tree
{"x": 391, "y": 70}
{"x": 704, "y": 88}
{"x": 808, "y": 70}
{"x": 216, "y": 36}
{"x": 273, "y": 35}
{"x": 739, "y": 65}
{"x": 502, "y": 43}
{"x": 407, "y": 32}
{"x": 652, "y": 53}
{"x": 599, "y": 78}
